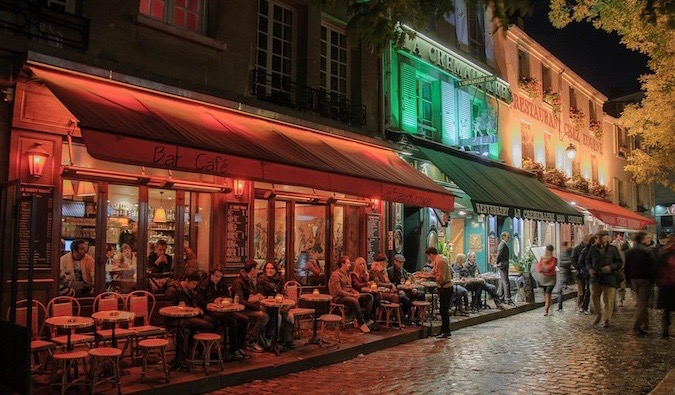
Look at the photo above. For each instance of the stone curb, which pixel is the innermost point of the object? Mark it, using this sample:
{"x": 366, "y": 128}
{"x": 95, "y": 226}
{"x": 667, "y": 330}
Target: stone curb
{"x": 666, "y": 386}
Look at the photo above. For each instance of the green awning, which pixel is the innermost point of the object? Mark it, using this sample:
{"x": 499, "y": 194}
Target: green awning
{"x": 495, "y": 190}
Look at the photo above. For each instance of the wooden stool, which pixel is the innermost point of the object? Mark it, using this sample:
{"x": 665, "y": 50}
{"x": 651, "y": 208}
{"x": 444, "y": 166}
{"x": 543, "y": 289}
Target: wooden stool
{"x": 207, "y": 341}
{"x": 147, "y": 347}
{"x": 420, "y": 308}
{"x": 326, "y": 321}
{"x": 388, "y": 309}
{"x": 68, "y": 360}
{"x": 99, "y": 357}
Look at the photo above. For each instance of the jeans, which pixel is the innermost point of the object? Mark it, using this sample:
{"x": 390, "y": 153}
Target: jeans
{"x": 354, "y": 304}
{"x": 445, "y": 296}
{"x": 583, "y": 293}
{"x": 504, "y": 285}
{"x": 643, "y": 288}
{"x": 260, "y": 319}
{"x": 563, "y": 275}
{"x": 608, "y": 297}
{"x": 234, "y": 330}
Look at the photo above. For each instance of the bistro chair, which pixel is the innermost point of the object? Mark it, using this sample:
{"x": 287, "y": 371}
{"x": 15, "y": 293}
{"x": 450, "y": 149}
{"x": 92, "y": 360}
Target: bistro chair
{"x": 142, "y": 303}
{"x": 107, "y": 301}
{"x": 37, "y": 344}
{"x": 149, "y": 346}
{"x": 293, "y": 289}
{"x": 64, "y": 306}
{"x": 68, "y": 361}
{"x": 99, "y": 358}
{"x": 328, "y": 321}
{"x": 207, "y": 341}
{"x": 390, "y": 310}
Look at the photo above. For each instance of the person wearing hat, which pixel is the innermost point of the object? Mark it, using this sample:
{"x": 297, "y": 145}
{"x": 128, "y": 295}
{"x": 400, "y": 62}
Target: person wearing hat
{"x": 378, "y": 274}
{"x": 398, "y": 275}
{"x": 606, "y": 263}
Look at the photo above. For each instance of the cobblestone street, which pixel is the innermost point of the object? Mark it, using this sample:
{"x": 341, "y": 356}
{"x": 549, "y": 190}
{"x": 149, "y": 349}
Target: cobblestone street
{"x": 527, "y": 353}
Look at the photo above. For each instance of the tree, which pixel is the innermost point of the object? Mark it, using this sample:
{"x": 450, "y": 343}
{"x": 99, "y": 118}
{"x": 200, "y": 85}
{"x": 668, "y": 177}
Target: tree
{"x": 647, "y": 26}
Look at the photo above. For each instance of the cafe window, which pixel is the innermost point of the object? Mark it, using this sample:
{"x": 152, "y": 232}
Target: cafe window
{"x": 187, "y": 14}
{"x": 352, "y": 232}
{"x": 280, "y": 240}
{"x": 78, "y": 222}
{"x": 334, "y": 65}
{"x": 338, "y": 232}
{"x": 310, "y": 243}
{"x": 121, "y": 237}
{"x": 162, "y": 222}
{"x": 200, "y": 228}
{"x": 523, "y": 64}
{"x": 275, "y": 45}
{"x": 260, "y": 222}
{"x": 476, "y": 30}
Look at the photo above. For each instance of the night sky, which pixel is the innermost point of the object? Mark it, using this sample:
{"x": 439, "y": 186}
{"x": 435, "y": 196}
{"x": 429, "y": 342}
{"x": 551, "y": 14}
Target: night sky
{"x": 598, "y": 57}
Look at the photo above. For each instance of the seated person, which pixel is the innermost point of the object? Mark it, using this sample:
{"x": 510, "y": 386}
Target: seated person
{"x": 270, "y": 284}
{"x": 458, "y": 268}
{"x": 379, "y": 276}
{"x": 191, "y": 263}
{"x": 340, "y": 288}
{"x": 398, "y": 275}
{"x": 77, "y": 269}
{"x": 158, "y": 261}
{"x": 182, "y": 292}
{"x": 308, "y": 271}
{"x": 361, "y": 279}
{"x": 126, "y": 260}
{"x": 213, "y": 290}
{"x": 459, "y": 271}
{"x": 109, "y": 262}
{"x": 472, "y": 272}
{"x": 461, "y": 298}
{"x": 245, "y": 289}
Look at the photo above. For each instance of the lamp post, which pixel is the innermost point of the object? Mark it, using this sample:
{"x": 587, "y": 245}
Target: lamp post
{"x": 37, "y": 157}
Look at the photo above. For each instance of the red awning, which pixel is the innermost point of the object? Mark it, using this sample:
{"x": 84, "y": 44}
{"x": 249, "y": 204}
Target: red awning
{"x": 125, "y": 123}
{"x": 609, "y": 213}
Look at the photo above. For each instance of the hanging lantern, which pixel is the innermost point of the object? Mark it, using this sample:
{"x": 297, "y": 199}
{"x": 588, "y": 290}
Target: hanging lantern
{"x": 160, "y": 213}
{"x": 239, "y": 186}
{"x": 37, "y": 157}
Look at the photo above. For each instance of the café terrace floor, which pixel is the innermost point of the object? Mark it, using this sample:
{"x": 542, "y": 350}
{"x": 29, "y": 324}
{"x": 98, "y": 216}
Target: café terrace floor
{"x": 267, "y": 365}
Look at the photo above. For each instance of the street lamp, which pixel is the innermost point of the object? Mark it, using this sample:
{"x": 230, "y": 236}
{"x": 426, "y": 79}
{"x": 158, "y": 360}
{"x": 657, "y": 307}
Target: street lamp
{"x": 37, "y": 156}
{"x": 571, "y": 152}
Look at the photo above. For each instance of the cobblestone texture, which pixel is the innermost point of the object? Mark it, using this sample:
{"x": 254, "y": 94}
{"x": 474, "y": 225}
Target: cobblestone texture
{"x": 527, "y": 353}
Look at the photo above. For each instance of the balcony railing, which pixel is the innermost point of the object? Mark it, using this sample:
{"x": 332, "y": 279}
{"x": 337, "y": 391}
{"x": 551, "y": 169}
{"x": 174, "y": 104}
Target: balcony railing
{"x": 45, "y": 25}
{"x": 284, "y": 91}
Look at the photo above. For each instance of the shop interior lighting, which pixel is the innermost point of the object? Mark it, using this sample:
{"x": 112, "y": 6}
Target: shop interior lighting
{"x": 102, "y": 175}
{"x": 37, "y": 157}
{"x": 86, "y": 188}
{"x": 160, "y": 213}
{"x": 189, "y": 185}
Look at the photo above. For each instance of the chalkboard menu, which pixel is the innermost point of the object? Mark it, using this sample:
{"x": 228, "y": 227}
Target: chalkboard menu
{"x": 42, "y": 244}
{"x": 373, "y": 229}
{"x": 236, "y": 237}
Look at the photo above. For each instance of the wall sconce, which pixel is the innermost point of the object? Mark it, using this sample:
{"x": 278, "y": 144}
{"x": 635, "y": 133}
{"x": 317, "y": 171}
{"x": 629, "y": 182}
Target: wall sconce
{"x": 239, "y": 186}
{"x": 374, "y": 203}
{"x": 37, "y": 157}
{"x": 571, "y": 152}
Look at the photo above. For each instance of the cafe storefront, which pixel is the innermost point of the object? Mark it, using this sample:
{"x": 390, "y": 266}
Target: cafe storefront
{"x": 122, "y": 164}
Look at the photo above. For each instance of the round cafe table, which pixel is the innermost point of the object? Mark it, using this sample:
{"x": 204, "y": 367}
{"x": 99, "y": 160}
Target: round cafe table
{"x": 429, "y": 286}
{"x": 316, "y": 299}
{"x": 114, "y": 316}
{"x": 225, "y": 308}
{"x": 275, "y": 307}
{"x": 70, "y": 323}
{"x": 181, "y": 315}
{"x": 410, "y": 287}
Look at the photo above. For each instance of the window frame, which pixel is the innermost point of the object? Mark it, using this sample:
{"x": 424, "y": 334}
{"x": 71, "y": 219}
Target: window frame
{"x": 476, "y": 34}
{"x": 523, "y": 64}
{"x": 327, "y": 67}
{"x": 169, "y": 13}
{"x": 277, "y": 83}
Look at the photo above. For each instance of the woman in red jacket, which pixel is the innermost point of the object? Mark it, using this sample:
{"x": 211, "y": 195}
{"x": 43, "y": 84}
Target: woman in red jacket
{"x": 546, "y": 267}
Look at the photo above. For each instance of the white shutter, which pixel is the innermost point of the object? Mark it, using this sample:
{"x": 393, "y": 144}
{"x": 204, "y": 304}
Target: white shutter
{"x": 461, "y": 24}
{"x": 464, "y": 114}
{"x": 448, "y": 111}
{"x": 408, "y": 98}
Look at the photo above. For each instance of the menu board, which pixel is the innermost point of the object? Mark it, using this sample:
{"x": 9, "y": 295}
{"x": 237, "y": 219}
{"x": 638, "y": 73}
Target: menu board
{"x": 373, "y": 240}
{"x": 44, "y": 216}
{"x": 236, "y": 237}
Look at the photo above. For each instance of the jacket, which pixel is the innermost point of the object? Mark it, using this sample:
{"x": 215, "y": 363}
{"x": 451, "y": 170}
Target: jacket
{"x": 244, "y": 287}
{"x": 503, "y": 256}
{"x": 176, "y": 293}
{"x": 471, "y": 269}
{"x": 459, "y": 271}
{"x": 358, "y": 281}
{"x": 379, "y": 277}
{"x": 207, "y": 292}
{"x": 340, "y": 285}
{"x": 269, "y": 286}
{"x": 609, "y": 257}
{"x": 640, "y": 263}
{"x": 397, "y": 276}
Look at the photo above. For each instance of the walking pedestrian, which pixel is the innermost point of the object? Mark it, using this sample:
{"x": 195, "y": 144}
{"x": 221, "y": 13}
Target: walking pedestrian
{"x": 640, "y": 272}
{"x": 578, "y": 261}
{"x": 443, "y": 274}
{"x": 546, "y": 267}
{"x": 665, "y": 280}
{"x": 564, "y": 271}
{"x": 605, "y": 263}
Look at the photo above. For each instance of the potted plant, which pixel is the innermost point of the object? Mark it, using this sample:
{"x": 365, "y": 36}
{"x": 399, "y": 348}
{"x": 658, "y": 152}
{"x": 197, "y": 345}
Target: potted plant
{"x": 598, "y": 190}
{"x": 552, "y": 99}
{"x": 531, "y": 86}
{"x": 579, "y": 182}
{"x": 555, "y": 177}
{"x": 577, "y": 117}
{"x": 596, "y": 129}
{"x": 534, "y": 167}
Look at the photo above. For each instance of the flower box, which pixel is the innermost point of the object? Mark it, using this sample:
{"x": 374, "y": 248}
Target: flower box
{"x": 552, "y": 99}
{"x": 531, "y": 86}
{"x": 577, "y": 116}
{"x": 596, "y": 129}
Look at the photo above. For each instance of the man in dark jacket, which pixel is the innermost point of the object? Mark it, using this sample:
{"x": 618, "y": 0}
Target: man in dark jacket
{"x": 606, "y": 264}
{"x": 581, "y": 275}
{"x": 244, "y": 287}
{"x": 640, "y": 273}
{"x": 502, "y": 264}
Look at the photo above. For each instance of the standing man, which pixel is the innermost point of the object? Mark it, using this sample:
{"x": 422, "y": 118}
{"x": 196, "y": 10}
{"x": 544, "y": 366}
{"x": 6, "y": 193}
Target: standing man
{"x": 580, "y": 274}
{"x": 640, "y": 273}
{"x": 443, "y": 274}
{"x": 502, "y": 265}
{"x": 606, "y": 263}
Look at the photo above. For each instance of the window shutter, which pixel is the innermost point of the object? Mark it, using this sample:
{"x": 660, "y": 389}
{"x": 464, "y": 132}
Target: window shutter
{"x": 408, "y": 98}
{"x": 461, "y": 23}
{"x": 489, "y": 41}
{"x": 448, "y": 117}
{"x": 464, "y": 114}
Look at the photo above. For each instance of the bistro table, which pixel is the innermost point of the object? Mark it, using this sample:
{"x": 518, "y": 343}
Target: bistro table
{"x": 180, "y": 314}
{"x": 70, "y": 323}
{"x": 225, "y": 307}
{"x": 375, "y": 290}
{"x": 316, "y": 299}
{"x": 429, "y": 287}
{"x": 114, "y": 316}
{"x": 276, "y": 305}
{"x": 410, "y": 286}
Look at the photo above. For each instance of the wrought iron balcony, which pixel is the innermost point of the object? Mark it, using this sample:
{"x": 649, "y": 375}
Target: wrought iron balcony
{"x": 33, "y": 19}
{"x": 284, "y": 91}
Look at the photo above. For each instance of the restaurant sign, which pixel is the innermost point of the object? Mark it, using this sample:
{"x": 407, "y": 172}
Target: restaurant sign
{"x": 536, "y": 215}
{"x": 552, "y": 120}
{"x": 456, "y": 66}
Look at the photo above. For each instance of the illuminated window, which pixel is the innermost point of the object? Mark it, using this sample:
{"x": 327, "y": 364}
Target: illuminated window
{"x": 622, "y": 142}
{"x": 187, "y": 14}
{"x": 334, "y": 65}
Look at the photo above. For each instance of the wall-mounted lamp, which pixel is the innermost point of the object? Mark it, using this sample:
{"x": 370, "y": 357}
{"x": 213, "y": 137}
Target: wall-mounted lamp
{"x": 239, "y": 186}
{"x": 374, "y": 204}
{"x": 571, "y": 152}
{"x": 37, "y": 157}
